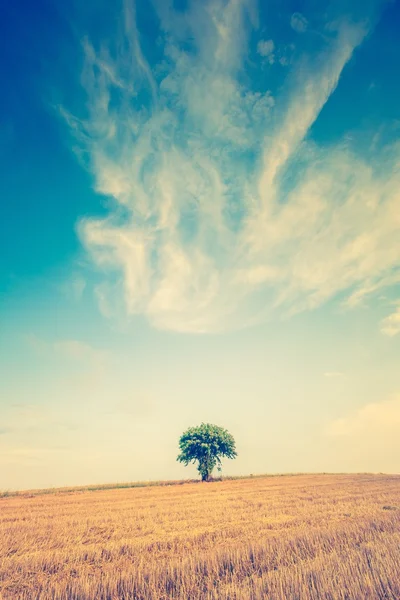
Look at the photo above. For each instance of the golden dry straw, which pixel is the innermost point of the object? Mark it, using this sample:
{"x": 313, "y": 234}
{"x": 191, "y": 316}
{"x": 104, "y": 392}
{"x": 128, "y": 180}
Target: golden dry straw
{"x": 332, "y": 537}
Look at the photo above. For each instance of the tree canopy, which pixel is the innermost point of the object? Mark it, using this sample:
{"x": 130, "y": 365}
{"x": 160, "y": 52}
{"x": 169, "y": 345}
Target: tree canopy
{"x": 206, "y": 444}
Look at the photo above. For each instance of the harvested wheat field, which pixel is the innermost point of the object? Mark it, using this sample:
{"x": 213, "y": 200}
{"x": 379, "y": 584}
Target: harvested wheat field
{"x": 307, "y": 536}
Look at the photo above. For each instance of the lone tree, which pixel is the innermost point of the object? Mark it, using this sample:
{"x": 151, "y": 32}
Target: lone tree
{"x": 206, "y": 444}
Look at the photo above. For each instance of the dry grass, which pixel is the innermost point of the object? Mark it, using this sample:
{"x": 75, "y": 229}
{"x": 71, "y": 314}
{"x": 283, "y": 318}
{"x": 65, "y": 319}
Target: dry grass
{"x": 304, "y": 537}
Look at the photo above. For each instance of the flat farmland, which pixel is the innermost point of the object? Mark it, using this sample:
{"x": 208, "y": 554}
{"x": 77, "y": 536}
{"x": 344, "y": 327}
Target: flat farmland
{"x": 300, "y": 537}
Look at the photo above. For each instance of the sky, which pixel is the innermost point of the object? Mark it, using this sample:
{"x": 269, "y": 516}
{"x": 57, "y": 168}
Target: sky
{"x": 199, "y": 222}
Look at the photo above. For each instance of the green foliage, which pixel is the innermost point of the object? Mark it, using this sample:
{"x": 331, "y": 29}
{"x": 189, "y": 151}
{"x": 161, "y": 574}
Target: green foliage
{"x": 206, "y": 444}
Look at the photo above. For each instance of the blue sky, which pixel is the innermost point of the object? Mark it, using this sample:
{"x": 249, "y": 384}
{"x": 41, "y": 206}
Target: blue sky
{"x": 200, "y": 221}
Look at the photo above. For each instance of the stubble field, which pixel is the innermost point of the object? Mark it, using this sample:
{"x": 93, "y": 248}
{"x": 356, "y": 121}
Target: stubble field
{"x": 299, "y": 537}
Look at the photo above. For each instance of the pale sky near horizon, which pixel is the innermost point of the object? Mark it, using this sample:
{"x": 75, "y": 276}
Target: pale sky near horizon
{"x": 200, "y": 221}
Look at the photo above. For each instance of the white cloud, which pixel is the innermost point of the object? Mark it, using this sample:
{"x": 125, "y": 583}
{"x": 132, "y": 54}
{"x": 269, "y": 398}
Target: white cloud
{"x": 374, "y": 419}
{"x": 368, "y": 438}
{"x": 79, "y": 351}
{"x": 298, "y": 22}
{"x": 71, "y": 349}
{"x": 390, "y": 325}
{"x": 266, "y": 49}
{"x": 203, "y": 235}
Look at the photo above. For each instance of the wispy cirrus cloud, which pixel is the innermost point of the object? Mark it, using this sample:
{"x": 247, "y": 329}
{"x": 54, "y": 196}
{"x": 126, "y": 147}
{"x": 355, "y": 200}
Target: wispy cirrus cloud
{"x": 224, "y": 212}
{"x": 390, "y": 325}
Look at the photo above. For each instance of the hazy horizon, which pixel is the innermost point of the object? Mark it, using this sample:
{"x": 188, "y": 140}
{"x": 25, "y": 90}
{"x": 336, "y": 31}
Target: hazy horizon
{"x": 200, "y": 223}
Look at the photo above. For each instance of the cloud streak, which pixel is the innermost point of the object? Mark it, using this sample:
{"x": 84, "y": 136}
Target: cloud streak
{"x": 224, "y": 212}
{"x": 334, "y": 374}
{"x": 390, "y": 325}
